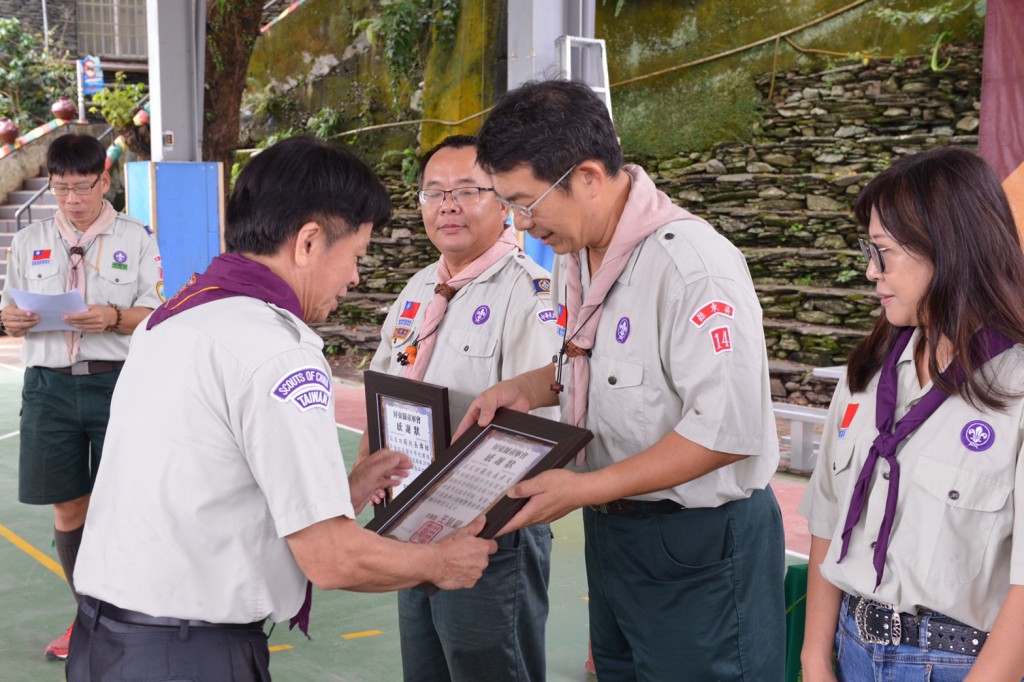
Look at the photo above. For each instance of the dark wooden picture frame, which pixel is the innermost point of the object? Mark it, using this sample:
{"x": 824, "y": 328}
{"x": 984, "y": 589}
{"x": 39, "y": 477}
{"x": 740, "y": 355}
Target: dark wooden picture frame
{"x": 563, "y": 442}
{"x": 382, "y": 387}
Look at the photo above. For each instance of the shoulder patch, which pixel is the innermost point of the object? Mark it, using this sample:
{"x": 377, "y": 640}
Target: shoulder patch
{"x": 306, "y": 388}
{"x": 547, "y": 315}
{"x": 710, "y": 309}
{"x": 542, "y": 285}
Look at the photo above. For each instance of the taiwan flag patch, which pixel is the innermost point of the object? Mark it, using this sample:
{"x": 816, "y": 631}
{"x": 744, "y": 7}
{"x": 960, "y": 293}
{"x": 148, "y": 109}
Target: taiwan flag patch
{"x": 563, "y": 319}
{"x": 409, "y": 310}
{"x": 41, "y": 257}
{"x": 851, "y": 411}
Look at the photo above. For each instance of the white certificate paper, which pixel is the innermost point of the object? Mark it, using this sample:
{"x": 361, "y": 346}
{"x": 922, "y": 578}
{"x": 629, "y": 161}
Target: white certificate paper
{"x": 498, "y": 461}
{"x": 50, "y": 308}
{"x": 408, "y": 428}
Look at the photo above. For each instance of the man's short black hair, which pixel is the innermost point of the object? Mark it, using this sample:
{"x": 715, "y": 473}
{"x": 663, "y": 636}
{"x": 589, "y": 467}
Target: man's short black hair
{"x": 75, "y": 155}
{"x": 549, "y": 126}
{"x": 301, "y": 180}
{"x": 453, "y": 141}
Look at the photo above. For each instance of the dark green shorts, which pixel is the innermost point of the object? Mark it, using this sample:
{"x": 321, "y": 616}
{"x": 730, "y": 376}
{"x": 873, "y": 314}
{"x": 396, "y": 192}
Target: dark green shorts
{"x": 63, "y": 423}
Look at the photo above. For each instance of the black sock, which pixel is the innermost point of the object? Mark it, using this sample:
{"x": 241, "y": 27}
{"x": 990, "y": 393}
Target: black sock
{"x": 67, "y": 543}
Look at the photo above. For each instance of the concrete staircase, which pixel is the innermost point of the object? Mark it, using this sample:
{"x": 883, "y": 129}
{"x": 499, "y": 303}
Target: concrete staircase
{"x": 44, "y": 207}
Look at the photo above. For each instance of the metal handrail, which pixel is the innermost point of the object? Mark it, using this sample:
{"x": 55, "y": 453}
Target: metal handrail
{"x": 27, "y": 206}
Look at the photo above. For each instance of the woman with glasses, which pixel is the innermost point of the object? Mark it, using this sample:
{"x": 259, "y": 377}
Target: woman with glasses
{"x": 113, "y": 262}
{"x": 917, "y": 551}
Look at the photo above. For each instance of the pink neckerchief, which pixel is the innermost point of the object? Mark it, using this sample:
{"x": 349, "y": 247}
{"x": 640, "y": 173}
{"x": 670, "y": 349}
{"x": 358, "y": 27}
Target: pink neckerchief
{"x": 443, "y": 292}
{"x": 76, "y": 267}
{"x": 647, "y": 209}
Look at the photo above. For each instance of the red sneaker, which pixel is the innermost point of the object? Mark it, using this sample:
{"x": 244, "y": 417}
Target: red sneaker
{"x": 57, "y": 650}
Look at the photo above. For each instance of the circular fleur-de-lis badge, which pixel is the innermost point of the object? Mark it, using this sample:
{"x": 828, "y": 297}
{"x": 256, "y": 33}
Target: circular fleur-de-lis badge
{"x": 977, "y": 435}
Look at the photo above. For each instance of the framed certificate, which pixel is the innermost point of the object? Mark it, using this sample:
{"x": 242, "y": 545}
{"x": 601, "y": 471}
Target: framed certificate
{"x": 407, "y": 416}
{"x": 472, "y": 476}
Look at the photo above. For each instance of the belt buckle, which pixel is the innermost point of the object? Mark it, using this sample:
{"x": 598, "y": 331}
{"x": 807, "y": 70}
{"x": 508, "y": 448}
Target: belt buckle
{"x": 80, "y": 368}
{"x": 895, "y": 634}
{"x": 601, "y": 508}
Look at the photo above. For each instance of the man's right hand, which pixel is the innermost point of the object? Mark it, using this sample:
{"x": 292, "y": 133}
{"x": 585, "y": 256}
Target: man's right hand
{"x": 510, "y": 394}
{"x": 464, "y": 556}
{"x": 18, "y": 321}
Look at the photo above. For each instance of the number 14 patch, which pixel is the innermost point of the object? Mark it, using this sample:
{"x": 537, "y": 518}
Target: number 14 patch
{"x": 721, "y": 340}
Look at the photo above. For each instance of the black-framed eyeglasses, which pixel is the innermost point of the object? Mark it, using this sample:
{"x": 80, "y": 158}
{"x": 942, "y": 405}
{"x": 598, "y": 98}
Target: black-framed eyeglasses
{"x": 463, "y": 196}
{"x": 527, "y": 211}
{"x": 62, "y": 190}
{"x": 873, "y": 252}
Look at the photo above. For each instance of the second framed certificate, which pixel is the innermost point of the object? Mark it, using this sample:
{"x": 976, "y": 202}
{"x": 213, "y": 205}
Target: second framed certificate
{"x": 407, "y": 416}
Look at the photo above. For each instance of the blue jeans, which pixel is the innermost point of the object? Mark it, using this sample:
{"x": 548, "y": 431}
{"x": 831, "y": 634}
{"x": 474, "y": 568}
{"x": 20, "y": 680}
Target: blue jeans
{"x": 859, "y": 662}
{"x": 494, "y": 631}
{"x": 692, "y": 595}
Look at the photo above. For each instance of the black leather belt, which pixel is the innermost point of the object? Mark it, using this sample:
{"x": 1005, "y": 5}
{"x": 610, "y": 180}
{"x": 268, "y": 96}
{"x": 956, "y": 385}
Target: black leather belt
{"x": 880, "y": 624}
{"x": 89, "y": 367}
{"x": 120, "y": 615}
{"x": 638, "y": 508}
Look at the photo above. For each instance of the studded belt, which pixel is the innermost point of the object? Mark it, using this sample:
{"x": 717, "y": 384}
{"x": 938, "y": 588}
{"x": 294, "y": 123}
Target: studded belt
{"x": 880, "y": 624}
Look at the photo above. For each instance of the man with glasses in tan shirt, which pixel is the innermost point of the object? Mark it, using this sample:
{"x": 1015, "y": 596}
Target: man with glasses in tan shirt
{"x": 480, "y": 314}
{"x": 113, "y": 261}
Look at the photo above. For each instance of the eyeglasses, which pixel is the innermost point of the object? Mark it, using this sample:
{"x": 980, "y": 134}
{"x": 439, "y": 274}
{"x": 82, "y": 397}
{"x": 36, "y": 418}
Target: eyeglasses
{"x": 62, "y": 190}
{"x": 873, "y": 252}
{"x": 463, "y": 196}
{"x": 527, "y": 211}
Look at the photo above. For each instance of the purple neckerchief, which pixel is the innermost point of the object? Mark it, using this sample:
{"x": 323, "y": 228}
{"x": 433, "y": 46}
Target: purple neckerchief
{"x": 229, "y": 274}
{"x": 986, "y": 345}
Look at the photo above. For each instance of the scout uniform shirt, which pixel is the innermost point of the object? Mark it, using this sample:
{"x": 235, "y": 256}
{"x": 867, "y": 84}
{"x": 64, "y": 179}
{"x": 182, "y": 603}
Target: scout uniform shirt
{"x": 680, "y": 346}
{"x": 954, "y": 546}
{"x": 497, "y": 326}
{"x": 202, "y": 481}
{"x": 122, "y": 266}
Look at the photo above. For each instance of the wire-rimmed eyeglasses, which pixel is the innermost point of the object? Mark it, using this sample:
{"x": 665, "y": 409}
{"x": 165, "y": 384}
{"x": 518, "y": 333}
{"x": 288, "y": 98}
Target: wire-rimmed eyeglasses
{"x": 81, "y": 189}
{"x": 463, "y": 196}
{"x": 527, "y": 211}
{"x": 873, "y": 252}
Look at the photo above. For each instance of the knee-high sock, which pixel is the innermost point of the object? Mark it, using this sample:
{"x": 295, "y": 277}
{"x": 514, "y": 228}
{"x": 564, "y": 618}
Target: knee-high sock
{"x": 67, "y": 543}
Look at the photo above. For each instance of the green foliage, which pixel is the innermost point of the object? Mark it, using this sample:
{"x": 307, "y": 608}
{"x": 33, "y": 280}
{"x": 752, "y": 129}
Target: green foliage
{"x": 31, "y": 78}
{"x": 406, "y": 29}
{"x": 117, "y": 103}
{"x": 619, "y": 4}
{"x": 940, "y": 15}
{"x": 844, "y": 276}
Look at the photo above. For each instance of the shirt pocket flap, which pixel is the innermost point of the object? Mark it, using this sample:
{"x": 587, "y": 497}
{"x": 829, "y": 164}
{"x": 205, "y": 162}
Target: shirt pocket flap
{"x": 119, "y": 273}
{"x": 844, "y": 455}
{"x": 472, "y": 344}
{"x": 41, "y": 271}
{"x": 624, "y": 373}
{"x": 959, "y": 487}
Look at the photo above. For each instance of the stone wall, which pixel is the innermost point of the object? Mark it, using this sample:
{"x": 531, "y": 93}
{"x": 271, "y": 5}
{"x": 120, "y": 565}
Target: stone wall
{"x": 785, "y": 199}
{"x": 62, "y": 16}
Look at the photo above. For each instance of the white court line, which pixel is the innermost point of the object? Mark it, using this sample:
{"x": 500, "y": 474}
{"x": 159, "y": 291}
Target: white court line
{"x": 348, "y": 428}
{"x": 13, "y": 368}
{"x": 797, "y": 555}
{"x": 12, "y": 434}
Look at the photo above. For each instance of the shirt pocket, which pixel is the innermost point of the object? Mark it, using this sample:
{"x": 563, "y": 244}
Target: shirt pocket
{"x": 45, "y": 279}
{"x": 617, "y": 391}
{"x": 117, "y": 282}
{"x": 952, "y": 522}
{"x": 475, "y": 356}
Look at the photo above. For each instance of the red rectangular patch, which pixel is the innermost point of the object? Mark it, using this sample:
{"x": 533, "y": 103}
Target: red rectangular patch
{"x": 41, "y": 254}
{"x": 721, "y": 339}
{"x": 710, "y": 309}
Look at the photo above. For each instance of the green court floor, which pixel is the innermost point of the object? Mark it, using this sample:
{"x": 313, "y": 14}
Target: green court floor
{"x": 355, "y": 635}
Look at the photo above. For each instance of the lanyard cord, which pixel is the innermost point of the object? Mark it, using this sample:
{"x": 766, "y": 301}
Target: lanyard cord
{"x": 557, "y": 387}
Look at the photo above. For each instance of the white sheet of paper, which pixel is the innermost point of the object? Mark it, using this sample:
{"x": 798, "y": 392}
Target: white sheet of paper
{"x": 50, "y": 308}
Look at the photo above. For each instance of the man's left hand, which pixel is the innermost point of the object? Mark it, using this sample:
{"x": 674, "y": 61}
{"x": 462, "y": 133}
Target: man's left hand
{"x": 553, "y": 494}
{"x": 95, "y": 320}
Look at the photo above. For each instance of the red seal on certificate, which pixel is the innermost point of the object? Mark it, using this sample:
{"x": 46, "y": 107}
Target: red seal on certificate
{"x": 425, "y": 533}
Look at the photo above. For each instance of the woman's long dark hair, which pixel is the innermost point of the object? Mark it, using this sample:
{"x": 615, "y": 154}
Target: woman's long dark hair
{"x": 946, "y": 205}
